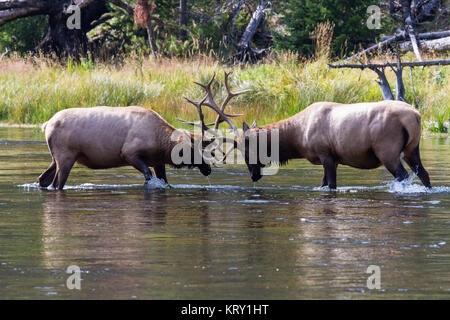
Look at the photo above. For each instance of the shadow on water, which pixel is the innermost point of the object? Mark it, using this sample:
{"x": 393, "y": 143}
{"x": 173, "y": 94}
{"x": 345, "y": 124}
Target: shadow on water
{"x": 285, "y": 238}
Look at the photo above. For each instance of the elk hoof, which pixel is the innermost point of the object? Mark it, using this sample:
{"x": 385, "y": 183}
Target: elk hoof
{"x": 155, "y": 183}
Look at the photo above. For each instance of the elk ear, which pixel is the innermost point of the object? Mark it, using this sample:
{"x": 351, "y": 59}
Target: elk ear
{"x": 245, "y": 127}
{"x": 254, "y": 125}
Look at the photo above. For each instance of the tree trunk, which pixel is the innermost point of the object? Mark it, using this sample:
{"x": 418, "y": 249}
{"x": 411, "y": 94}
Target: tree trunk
{"x": 62, "y": 41}
{"x": 408, "y": 20}
{"x": 183, "y": 20}
{"x": 250, "y": 31}
{"x": 152, "y": 39}
{"x": 59, "y": 38}
{"x": 245, "y": 52}
{"x": 384, "y": 84}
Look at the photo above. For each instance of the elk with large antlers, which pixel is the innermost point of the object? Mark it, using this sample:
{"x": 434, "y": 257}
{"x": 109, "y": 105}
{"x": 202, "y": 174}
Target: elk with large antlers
{"x": 108, "y": 137}
{"x": 363, "y": 135}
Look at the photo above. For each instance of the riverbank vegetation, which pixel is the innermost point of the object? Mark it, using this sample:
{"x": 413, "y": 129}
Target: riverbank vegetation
{"x": 32, "y": 90}
{"x": 149, "y": 53}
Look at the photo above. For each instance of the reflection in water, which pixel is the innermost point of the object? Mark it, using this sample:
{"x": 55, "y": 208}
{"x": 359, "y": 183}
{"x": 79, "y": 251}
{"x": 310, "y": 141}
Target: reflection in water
{"x": 283, "y": 239}
{"x": 79, "y": 228}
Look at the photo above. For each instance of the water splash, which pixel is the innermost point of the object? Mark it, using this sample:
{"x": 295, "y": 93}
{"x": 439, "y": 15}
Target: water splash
{"x": 83, "y": 186}
{"x": 408, "y": 187}
{"x": 155, "y": 183}
{"x": 404, "y": 187}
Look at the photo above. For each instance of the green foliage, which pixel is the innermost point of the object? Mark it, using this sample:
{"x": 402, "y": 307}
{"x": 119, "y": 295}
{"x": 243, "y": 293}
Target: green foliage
{"x": 22, "y": 35}
{"x": 349, "y": 17}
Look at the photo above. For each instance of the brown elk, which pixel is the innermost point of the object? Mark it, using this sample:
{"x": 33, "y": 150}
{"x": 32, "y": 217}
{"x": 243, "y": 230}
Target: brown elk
{"x": 362, "y": 135}
{"x": 108, "y": 137}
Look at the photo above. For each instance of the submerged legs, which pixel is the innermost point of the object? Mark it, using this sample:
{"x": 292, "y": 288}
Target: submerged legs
{"x": 141, "y": 166}
{"x": 160, "y": 172}
{"x": 416, "y": 166}
{"x": 46, "y": 178}
{"x": 329, "y": 172}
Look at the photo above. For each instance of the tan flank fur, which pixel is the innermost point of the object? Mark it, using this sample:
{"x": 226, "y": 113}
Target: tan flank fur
{"x": 362, "y": 135}
{"x": 108, "y": 137}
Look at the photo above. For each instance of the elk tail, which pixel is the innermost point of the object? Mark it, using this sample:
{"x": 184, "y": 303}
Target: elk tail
{"x": 44, "y": 125}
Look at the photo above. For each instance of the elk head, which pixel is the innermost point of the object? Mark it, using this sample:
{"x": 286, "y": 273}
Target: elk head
{"x": 251, "y": 157}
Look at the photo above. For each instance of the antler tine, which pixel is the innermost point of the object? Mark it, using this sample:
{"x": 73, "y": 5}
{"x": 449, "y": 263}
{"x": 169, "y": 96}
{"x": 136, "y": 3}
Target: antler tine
{"x": 207, "y": 86}
{"x": 220, "y": 148}
{"x": 193, "y": 123}
{"x": 222, "y": 115}
{"x": 230, "y": 95}
{"x": 198, "y": 105}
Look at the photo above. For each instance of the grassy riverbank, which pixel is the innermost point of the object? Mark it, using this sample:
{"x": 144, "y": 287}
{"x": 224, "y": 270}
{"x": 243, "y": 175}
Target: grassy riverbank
{"x": 31, "y": 91}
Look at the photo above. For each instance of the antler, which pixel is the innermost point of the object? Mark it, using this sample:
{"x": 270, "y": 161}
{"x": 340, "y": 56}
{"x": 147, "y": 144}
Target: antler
{"x": 222, "y": 116}
{"x": 208, "y": 101}
{"x": 230, "y": 95}
{"x": 198, "y": 105}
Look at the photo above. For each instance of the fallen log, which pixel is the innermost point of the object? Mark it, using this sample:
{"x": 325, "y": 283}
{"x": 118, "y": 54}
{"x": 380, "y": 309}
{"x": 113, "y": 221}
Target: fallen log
{"x": 439, "y": 45}
{"x": 361, "y": 66}
{"x": 402, "y": 35}
{"x": 425, "y": 35}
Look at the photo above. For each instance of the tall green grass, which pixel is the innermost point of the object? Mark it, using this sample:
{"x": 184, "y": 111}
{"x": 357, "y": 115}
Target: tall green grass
{"x": 31, "y": 92}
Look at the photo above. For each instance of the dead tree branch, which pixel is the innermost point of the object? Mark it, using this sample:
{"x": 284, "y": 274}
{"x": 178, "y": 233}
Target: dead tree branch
{"x": 397, "y": 67}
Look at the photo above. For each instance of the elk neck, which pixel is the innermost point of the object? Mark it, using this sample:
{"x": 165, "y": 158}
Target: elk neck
{"x": 289, "y": 139}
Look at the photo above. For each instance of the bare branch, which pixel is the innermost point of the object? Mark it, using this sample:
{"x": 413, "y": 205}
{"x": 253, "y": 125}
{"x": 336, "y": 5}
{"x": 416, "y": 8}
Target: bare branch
{"x": 15, "y": 4}
{"x": 83, "y": 3}
{"x": 12, "y": 14}
{"x": 123, "y": 5}
{"x": 379, "y": 46}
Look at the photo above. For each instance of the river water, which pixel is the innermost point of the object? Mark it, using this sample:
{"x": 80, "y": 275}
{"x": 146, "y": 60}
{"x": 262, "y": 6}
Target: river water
{"x": 226, "y": 238}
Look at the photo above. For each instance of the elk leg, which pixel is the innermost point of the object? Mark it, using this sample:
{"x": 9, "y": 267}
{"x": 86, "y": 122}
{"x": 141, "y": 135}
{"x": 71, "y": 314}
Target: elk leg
{"x": 62, "y": 172}
{"x": 397, "y": 170}
{"x": 416, "y": 166}
{"x": 141, "y": 166}
{"x": 160, "y": 172}
{"x": 329, "y": 167}
{"x": 47, "y": 177}
{"x": 324, "y": 179}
